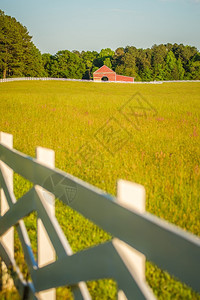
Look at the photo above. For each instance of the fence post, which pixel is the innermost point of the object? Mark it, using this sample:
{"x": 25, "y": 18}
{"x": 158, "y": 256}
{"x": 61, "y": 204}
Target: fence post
{"x": 131, "y": 196}
{"x": 8, "y": 238}
{"x": 46, "y": 252}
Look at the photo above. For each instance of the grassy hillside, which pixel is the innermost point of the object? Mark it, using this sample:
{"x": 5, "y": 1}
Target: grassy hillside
{"x": 147, "y": 134}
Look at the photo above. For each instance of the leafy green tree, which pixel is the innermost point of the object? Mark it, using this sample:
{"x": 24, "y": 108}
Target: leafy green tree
{"x": 106, "y": 53}
{"x": 117, "y": 58}
{"x": 195, "y": 70}
{"x": 161, "y": 62}
{"x": 76, "y": 52}
{"x": 88, "y": 59}
{"x": 170, "y": 61}
{"x": 106, "y": 57}
{"x": 129, "y": 62}
{"x": 94, "y": 68}
{"x": 143, "y": 64}
{"x": 171, "y": 71}
{"x": 33, "y": 64}
{"x": 146, "y": 74}
{"x": 67, "y": 65}
{"x": 107, "y": 62}
{"x": 180, "y": 69}
{"x": 47, "y": 60}
{"x": 158, "y": 55}
{"x": 18, "y": 54}
{"x": 120, "y": 69}
{"x": 185, "y": 54}
{"x": 194, "y": 67}
{"x": 119, "y": 52}
{"x": 159, "y": 72}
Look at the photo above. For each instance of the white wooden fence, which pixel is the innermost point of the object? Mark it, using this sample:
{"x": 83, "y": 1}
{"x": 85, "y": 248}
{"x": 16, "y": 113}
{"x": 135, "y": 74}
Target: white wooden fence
{"x": 86, "y": 80}
{"x": 136, "y": 233}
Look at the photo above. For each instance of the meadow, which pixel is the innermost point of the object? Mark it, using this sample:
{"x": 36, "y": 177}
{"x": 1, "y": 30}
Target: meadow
{"x": 98, "y": 137}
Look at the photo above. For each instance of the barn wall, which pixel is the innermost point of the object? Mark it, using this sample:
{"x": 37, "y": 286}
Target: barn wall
{"x": 124, "y": 78}
{"x": 111, "y": 76}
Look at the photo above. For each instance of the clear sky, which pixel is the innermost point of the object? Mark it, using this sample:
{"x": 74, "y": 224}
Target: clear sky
{"x": 93, "y": 25}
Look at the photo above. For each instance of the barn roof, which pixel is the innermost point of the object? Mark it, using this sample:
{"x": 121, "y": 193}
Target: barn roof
{"x": 104, "y": 69}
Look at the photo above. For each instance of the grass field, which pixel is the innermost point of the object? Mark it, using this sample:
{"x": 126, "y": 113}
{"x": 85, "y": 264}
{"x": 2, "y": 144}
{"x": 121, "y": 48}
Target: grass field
{"x": 160, "y": 150}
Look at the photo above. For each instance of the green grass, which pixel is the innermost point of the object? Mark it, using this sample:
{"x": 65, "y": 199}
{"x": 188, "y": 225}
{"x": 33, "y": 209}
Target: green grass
{"x": 162, "y": 154}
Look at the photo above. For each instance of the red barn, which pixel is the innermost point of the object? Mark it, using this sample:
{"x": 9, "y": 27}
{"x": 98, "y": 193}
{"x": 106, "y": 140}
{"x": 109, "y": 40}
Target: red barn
{"x": 106, "y": 74}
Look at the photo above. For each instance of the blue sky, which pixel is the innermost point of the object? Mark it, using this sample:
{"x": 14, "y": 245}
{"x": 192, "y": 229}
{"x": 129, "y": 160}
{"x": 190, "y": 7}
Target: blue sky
{"x": 92, "y": 25}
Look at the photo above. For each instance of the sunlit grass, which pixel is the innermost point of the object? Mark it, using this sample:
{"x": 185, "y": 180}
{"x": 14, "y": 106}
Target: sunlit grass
{"x": 162, "y": 153}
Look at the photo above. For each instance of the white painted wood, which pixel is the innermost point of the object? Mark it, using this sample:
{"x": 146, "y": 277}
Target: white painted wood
{"x": 47, "y": 158}
{"x": 97, "y": 262}
{"x": 20, "y": 227}
{"x": 8, "y": 238}
{"x": 131, "y": 196}
{"x": 46, "y": 252}
{"x": 121, "y": 295}
{"x": 149, "y": 234}
{"x": 51, "y": 224}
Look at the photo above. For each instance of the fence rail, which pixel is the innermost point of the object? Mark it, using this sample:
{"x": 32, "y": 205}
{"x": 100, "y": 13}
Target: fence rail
{"x": 85, "y": 80}
{"x": 136, "y": 233}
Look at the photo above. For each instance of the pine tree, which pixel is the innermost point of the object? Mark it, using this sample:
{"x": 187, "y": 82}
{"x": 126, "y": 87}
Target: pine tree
{"x": 18, "y": 54}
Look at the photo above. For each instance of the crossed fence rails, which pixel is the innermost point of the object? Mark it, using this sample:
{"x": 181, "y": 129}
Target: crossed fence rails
{"x": 136, "y": 233}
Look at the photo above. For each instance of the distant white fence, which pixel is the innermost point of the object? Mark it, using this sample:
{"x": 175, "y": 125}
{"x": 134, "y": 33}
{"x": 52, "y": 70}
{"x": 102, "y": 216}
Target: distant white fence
{"x": 84, "y": 80}
{"x": 42, "y": 78}
{"x": 136, "y": 233}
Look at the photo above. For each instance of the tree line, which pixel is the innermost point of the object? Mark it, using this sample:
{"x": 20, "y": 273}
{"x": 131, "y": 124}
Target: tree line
{"x": 19, "y": 57}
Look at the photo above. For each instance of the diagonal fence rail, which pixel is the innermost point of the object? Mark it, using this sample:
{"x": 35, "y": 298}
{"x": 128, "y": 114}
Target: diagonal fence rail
{"x": 136, "y": 233}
